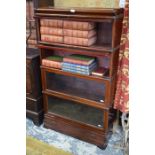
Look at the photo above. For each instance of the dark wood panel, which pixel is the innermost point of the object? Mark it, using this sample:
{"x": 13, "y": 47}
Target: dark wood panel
{"x": 33, "y": 79}
{"x": 76, "y": 130}
{"x": 34, "y": 103}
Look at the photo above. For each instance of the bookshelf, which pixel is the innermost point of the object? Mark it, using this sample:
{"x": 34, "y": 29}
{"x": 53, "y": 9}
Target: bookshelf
{"x": 77, "y": 104}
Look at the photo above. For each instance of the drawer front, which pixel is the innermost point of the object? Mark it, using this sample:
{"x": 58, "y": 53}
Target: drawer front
{"x": 74, "y": 129}
{"x": 34, "y": 104}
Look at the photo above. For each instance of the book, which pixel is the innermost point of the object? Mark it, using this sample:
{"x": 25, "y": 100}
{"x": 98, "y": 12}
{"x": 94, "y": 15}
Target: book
{"x": 79, "y": 33}
{"x": 76, "y": 71}
{"x": 79, "y": 59}
{"x": 32, "y": 41}
{"x": 100, "y": 71}
{"x": 51, "y": 31}
{"x": 51, "y": 23}
{"x": 79, "y": 69}
{"x": 53, "y": 61}
{"x": 49, "y": 38}
{"x": 86, "y": 67}
{"x": 76, "y": 25}
{"x": 80, "y": 41}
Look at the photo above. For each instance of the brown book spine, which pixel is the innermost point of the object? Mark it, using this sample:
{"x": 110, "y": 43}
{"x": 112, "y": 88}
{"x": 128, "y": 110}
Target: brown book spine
{"x": 51, "y": 23}
{"x": 49, "y": 38}
{"x": 51, "y": 31}
{"x": 74, "y": 25}
{"x": 49, "y": 63}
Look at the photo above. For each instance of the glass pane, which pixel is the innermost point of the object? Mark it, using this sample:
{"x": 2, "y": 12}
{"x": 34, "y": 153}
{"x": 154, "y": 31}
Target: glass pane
{"x": 75, "y": 111}
{"x": 83, "y": 88}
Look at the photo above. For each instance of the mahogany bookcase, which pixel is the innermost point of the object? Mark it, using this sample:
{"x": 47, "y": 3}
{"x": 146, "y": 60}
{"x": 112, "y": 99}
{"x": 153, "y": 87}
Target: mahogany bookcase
{"x": 74, "y": 104}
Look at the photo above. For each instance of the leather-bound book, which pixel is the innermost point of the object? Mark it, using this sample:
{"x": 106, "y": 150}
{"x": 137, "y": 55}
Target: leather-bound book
{"x": 79, "y": 59}
{"x": 79, "y": 41}
{"x": 51, "y": 23}
{"x": 53, "y": 61}
{"x": 49, "y": 38}
{"x": 79, "y": 33}
{"x": 51, "y": 31}
{"x": 100, "y": 71}
{"x": 76, "y": 25}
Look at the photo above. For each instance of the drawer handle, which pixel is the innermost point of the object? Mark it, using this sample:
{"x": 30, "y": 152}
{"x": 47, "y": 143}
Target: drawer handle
{"x": 72, "y": 10}
{"x": 102, "y": 101}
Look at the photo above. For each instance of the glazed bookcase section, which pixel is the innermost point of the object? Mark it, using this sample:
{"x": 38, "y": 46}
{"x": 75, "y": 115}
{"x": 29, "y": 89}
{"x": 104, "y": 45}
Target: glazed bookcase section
{"x": 75, "y": 112}
{"x": 78, "y": 88}
{"x": 108, "y": 25}
{"x": 103, "y": 38}
{"x": 75, "y": 86}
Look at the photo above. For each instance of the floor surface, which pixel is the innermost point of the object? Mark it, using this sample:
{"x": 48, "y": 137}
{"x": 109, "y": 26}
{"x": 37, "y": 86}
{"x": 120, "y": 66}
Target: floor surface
{"x": 75, "y": 146}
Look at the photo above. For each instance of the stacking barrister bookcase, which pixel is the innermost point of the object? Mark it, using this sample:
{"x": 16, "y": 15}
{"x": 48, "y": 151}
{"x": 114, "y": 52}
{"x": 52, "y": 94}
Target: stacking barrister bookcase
{"x": 76, "y": 103}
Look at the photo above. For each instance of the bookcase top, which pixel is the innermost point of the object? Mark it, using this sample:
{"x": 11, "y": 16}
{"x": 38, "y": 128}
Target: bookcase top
{"x": 78, "y": 11}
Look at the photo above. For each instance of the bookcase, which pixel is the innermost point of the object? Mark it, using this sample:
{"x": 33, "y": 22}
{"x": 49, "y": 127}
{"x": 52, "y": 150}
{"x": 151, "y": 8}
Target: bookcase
{"x": 76, "y": 104}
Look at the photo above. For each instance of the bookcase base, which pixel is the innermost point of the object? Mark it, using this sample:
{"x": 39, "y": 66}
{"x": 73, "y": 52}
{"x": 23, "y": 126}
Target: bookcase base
{"x": 77, "y": 130}
{"x": 36, "y": 117}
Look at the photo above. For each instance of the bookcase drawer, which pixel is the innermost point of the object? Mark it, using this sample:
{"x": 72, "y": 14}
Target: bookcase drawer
{"x": 75, "y": 111}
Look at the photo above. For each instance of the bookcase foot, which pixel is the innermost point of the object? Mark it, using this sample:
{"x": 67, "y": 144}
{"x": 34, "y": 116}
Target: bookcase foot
{"x": 102, "y": 147}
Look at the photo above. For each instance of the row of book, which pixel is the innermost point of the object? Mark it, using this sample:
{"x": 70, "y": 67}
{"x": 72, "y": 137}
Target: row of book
{"x": 30, "y": 25}
{"x": 68, "y": 32}
{"x": 32, "y": 39}
{"x": 75, "y": 63}
{"x": 29, "y": 12}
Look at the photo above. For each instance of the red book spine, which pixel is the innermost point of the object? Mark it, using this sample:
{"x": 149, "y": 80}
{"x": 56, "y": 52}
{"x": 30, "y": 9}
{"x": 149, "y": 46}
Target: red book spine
{"x": 51, "y": 31}
{"x": 49, "y": 38}
{"x": 51, "y": 23}
{"x": 49, "y": 63}
{"x": 79, "y": 41}
{"x": 78, "y": 25}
